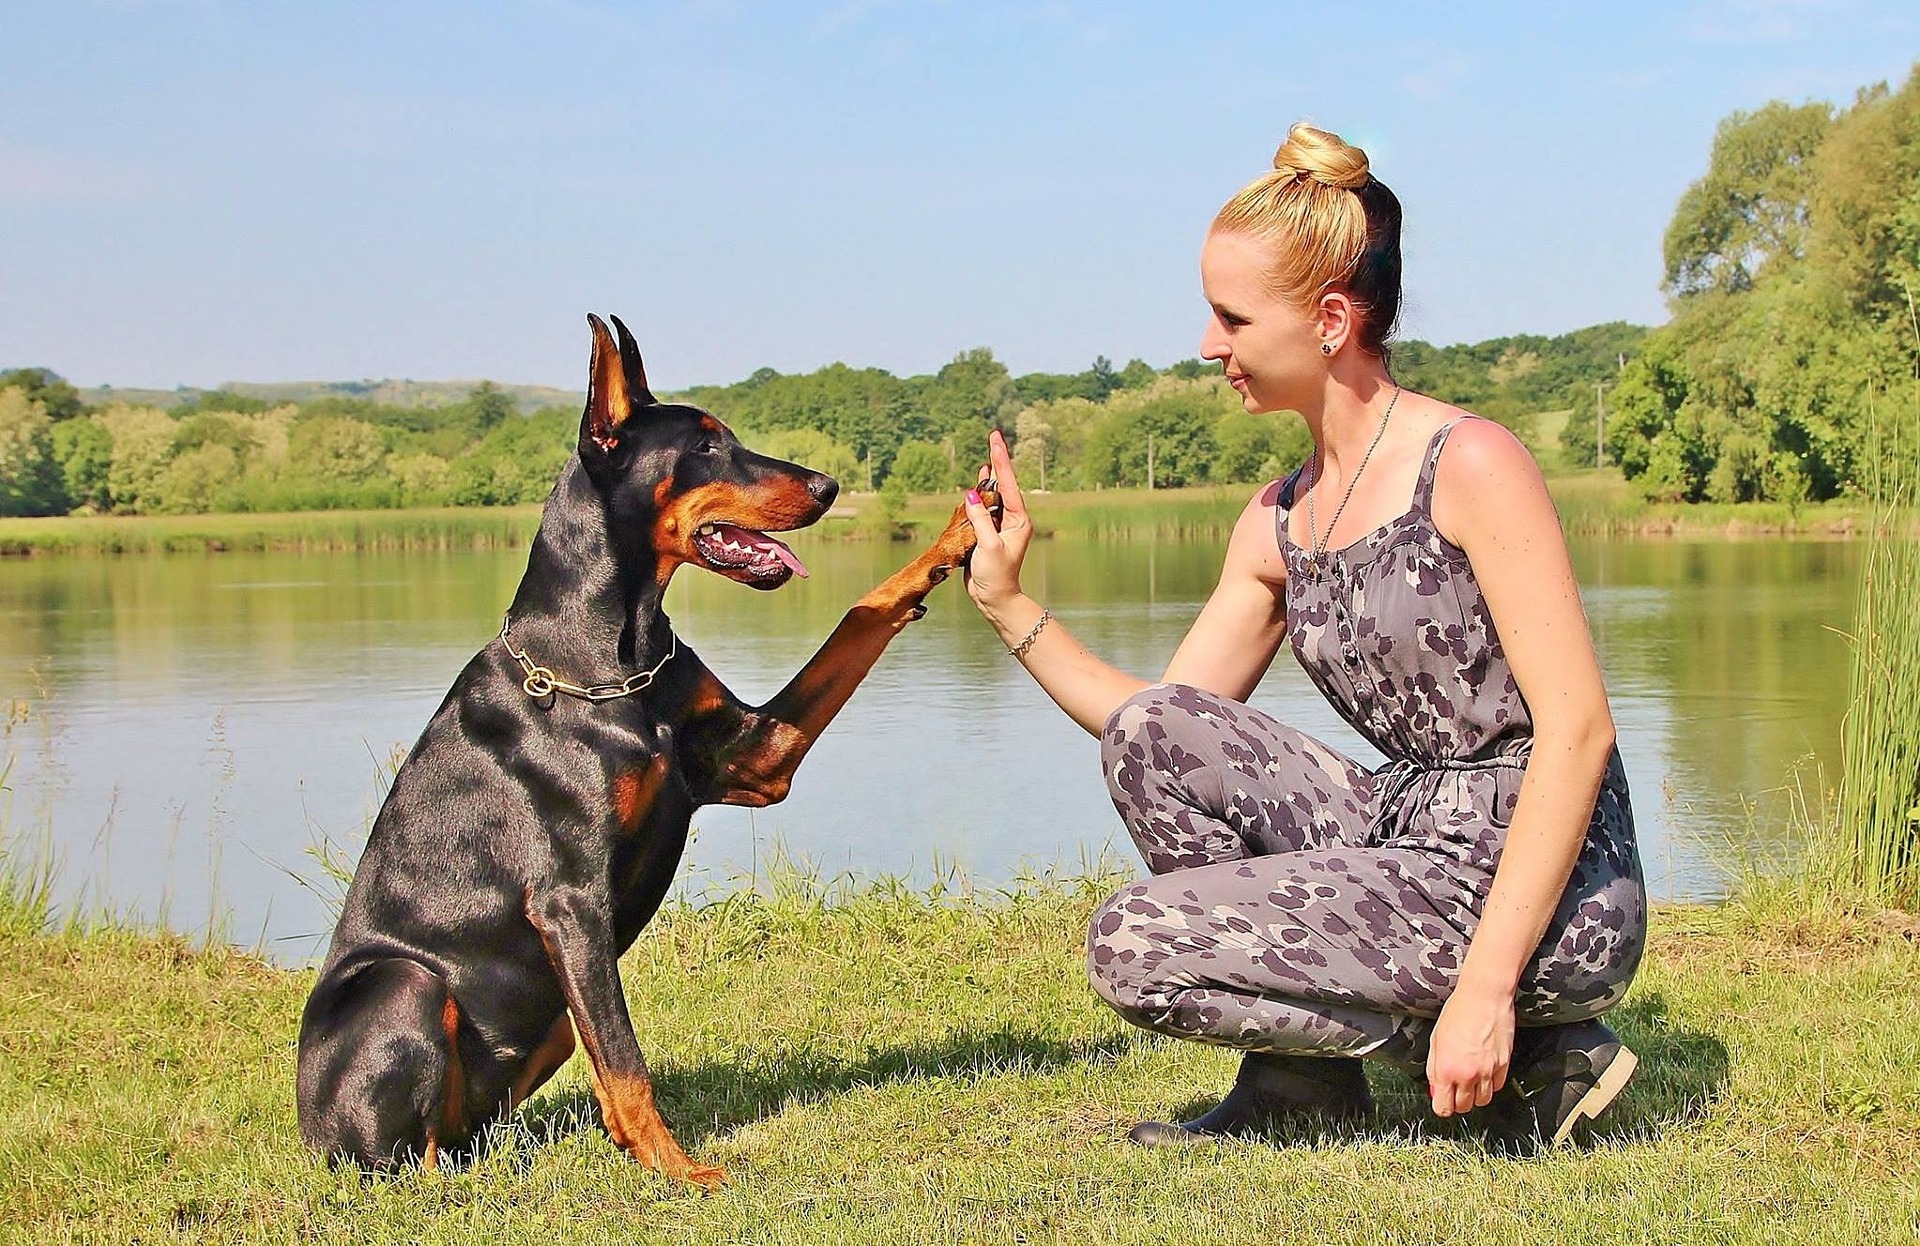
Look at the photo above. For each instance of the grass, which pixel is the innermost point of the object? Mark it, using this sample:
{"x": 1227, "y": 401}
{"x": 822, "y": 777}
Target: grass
{"x": 889, "y": 1065}
{"x": 1863, "y": 848}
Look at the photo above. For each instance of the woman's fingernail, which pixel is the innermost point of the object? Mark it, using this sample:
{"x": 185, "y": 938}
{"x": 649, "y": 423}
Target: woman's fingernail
{"x": 973, "y": 496}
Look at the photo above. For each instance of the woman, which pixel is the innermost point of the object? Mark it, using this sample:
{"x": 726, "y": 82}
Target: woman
{"x": 1470, "y": 908}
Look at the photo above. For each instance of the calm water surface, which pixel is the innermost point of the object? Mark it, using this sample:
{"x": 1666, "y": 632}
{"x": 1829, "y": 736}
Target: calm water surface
{"x": 198, "y": 725}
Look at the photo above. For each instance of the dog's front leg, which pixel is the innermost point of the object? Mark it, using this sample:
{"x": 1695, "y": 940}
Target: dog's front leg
{"x": 759, "y": 765}
{"x": 576, "y": 926}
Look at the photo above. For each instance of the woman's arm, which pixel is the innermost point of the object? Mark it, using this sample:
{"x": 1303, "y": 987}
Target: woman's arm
{"x": 1226, "y": 651}
{"x": 1493, "y": 504}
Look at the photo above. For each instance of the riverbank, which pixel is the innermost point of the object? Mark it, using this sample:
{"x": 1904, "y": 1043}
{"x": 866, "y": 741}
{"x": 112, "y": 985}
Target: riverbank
{"x": 1592, "y": 503}
{"x": 892, "y": 1066}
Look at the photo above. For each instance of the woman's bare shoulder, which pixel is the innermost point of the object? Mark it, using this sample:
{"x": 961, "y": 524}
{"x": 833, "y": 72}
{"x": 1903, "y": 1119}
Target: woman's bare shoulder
{"x": 1487, "y": 479}
{"x": 1478, "y": 447}
{"x": 1254, "y": 547}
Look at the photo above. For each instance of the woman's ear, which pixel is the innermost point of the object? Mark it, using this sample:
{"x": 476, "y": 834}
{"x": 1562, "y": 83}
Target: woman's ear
{"x": 1337, "y": 321}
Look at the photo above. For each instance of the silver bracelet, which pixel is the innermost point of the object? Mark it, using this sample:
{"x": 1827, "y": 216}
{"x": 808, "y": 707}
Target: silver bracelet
{"x": 1033, "y": 633}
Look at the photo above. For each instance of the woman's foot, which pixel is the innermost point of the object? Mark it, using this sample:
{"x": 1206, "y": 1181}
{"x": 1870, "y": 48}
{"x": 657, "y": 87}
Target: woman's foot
{"x": 1560, "y": 1076}
{"x": 1269, "y": 1090}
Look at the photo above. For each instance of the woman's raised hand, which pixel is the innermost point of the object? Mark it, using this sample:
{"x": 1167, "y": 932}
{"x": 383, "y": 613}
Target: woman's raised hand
{"x": 993, "y": 572}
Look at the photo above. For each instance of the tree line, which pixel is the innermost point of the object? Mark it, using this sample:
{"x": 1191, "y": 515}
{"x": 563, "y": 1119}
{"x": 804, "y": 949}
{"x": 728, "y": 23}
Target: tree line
{"x": 1103, "y": 427}
{"x": 1792, "y": 270}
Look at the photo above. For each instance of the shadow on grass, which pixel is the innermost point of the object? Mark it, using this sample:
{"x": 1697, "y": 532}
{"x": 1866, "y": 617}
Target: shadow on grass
{"x": 723, "y": 1095}
{"x": 1682, "y": 1074}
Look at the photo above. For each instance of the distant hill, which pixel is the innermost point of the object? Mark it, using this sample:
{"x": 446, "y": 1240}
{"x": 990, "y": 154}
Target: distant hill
{"x": 402, "y": 393}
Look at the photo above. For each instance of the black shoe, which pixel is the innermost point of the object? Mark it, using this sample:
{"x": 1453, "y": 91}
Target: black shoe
{"x": 1560, "y": 1075}
{"x": 1269, "y": 1090}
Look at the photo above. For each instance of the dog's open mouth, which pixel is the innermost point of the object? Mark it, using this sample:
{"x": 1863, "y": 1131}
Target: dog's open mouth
{"x": 753, "y": 556}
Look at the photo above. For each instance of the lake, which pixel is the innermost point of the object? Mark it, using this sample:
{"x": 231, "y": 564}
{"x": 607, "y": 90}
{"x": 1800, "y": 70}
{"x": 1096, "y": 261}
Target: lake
{"x": 198, "y": 727}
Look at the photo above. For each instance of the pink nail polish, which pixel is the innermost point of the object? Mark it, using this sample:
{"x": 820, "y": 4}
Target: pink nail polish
{"x": 973, "y": 496}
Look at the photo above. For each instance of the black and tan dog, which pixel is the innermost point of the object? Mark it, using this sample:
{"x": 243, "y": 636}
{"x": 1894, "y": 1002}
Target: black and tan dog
{"x": 537, "y": 824}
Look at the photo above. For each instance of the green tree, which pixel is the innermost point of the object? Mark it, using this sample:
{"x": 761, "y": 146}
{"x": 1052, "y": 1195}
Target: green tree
{"x": 142, "y": 448}
{"x": 84, "y": 450}
{"x": 58, "y": 399}
{"x": 1252, "y": 448}
{"x": 1164, "y": 431}
{"x": 1791, "y": 267}
{"x": 921, "y": 467}
{"x": 1138, "y": 374}
{"x": 1032, "y": 446}
{"x": 335, "y": 450}
{"x": 195, "y": 480}
{"x": 970, "y": 395}
{"x": 221, "y": 400}
{"x": 488, "y": 407}
{"x": 1750, "y": 209}
{"x": 30, "y": 481}
{"x": 814, "y": 450}
{"x": 517, "y": 462}
{"x": 200, "y": 429}
{"x": 424, "y": 479}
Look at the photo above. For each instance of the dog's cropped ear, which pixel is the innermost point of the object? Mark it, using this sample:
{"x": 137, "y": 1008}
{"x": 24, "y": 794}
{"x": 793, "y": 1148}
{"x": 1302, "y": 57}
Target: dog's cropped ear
{"x": 609, "y": 396}
{"x": 637, "y": 390}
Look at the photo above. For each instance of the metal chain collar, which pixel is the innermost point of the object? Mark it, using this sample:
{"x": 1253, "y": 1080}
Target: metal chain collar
{"x": 541, "y": 682}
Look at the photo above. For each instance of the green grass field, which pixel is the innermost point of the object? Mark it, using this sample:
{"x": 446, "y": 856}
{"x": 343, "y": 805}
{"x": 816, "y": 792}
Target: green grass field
{"x": 899, "y": 1067}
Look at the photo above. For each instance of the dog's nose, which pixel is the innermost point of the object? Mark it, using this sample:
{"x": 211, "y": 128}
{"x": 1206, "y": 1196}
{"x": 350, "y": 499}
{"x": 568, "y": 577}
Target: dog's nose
{"x": 824, "y": 488}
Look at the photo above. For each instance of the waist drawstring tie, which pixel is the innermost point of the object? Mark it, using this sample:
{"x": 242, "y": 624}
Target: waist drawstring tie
{"x": 1398, "y": 778}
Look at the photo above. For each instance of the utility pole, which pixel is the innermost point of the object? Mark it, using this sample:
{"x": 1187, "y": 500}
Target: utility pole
{"x": 1599, "y": 424}
{"x": 1149, "y": 462}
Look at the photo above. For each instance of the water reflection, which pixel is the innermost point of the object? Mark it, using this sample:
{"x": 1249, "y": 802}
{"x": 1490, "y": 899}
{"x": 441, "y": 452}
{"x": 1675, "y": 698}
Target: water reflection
{"x": 200, "y": 722}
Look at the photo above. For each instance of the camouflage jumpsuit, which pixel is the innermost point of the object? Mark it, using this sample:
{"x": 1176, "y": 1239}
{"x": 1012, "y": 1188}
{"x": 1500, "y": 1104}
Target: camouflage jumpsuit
{"x": 1302, "y": 904}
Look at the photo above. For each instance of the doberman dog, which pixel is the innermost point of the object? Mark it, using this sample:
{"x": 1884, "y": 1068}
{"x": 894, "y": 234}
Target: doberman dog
{"x": 537, "y": 824}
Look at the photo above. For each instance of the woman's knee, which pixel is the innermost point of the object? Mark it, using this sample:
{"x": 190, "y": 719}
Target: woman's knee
{"x": 1119, "y": 952}
{"x": 1126, "y": 727}
{"x": 1146, "y": 739}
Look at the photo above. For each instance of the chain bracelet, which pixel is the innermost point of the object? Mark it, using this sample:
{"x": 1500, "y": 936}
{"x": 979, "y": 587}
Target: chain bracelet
{"x": 1033, "y": 634}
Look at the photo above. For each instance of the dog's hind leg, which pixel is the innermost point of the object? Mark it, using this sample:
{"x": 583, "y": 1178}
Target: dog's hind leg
{"x": 380, "y": 1081}
{"x": 577, "y": 928}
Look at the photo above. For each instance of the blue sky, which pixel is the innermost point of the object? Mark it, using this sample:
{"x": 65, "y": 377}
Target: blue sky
{"x": 194, "y": 191}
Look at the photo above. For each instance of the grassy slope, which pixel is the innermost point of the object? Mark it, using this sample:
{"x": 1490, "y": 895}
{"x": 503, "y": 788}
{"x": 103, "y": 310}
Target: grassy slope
{"x": 892, "y": 1069}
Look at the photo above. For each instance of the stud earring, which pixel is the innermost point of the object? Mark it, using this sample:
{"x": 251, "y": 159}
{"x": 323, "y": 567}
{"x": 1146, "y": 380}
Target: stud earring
{"x": 1326, "y": 348}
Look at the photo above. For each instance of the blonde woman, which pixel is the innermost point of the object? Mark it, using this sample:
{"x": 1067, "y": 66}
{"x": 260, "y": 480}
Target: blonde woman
{"x": 1469, "y": 909}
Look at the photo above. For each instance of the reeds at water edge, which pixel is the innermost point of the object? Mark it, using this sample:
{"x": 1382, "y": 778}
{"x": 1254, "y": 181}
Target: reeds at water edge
{"x": 1869, "y": 849}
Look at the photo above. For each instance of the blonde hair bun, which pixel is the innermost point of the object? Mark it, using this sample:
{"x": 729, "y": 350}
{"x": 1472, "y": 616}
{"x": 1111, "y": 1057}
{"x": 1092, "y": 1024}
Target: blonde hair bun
{"x": 1326, "y": 158}
{"x": 1327, "y": 223}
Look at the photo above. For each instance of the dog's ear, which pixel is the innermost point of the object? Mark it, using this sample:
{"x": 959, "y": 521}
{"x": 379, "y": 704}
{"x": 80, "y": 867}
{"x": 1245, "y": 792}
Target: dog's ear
{"x": 609, "y": 396}
{"x": 637, "y": 391}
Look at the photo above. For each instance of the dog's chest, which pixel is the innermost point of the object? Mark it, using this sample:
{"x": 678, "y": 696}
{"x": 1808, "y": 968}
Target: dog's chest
{"x": 637, "y": 788}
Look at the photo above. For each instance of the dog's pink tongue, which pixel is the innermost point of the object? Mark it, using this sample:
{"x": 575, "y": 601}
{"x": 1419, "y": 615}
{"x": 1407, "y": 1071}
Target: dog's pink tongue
{"x": 790, "y": 558}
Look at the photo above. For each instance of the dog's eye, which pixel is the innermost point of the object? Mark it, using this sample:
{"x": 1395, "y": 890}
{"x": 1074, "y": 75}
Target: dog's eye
{"x": 713, "y": 445}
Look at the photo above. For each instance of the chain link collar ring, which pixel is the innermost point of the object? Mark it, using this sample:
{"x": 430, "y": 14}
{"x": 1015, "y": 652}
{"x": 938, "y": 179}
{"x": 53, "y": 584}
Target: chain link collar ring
{"x": 542, "y": 683}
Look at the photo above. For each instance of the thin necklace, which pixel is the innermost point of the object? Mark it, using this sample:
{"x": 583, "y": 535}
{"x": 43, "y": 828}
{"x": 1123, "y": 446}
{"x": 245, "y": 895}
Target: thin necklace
{"x": 1316, "y": 547}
